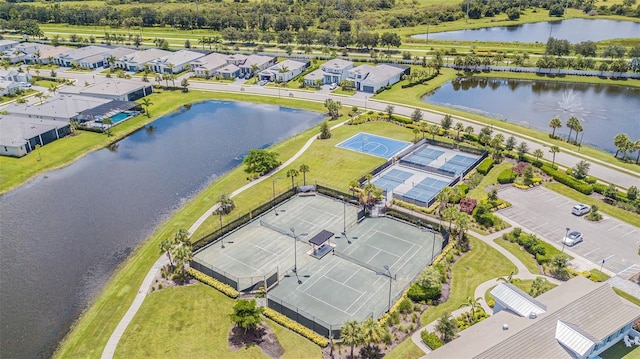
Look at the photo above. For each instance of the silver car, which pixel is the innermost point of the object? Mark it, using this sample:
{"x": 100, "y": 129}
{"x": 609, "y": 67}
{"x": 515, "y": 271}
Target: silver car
{"x": 573, "y": 238}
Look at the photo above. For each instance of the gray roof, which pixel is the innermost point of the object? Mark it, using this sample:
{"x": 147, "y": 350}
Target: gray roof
{"x": 516, "y": 300}
{"x": 61, "y": 106}
{"x": 315, "y": 75}
{"x": 228, "y": 69}
{"x": 178, "y": 58}
{"x": 377, "y": 74}
{"x": 118, "y": 52}
{"x": 83, "y": 52}
{"x": 113, "y": 86}
{"x": 142, "y": 57}
{"x": 257, "y": 60}
{"x": 15, "y": 130}
{"x": 337, "y": 64}
{"x": 51, "y": 51}
{"x": 211, "y": 61}
{"x": 594, "y": 308}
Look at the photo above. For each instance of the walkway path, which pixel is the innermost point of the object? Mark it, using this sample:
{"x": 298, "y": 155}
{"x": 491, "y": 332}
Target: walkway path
{"x": 110, "y": 348}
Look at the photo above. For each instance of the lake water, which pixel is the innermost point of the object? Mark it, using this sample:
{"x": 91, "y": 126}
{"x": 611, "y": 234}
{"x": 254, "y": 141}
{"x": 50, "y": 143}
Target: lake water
{"x": 63, "y": 234}
{"x": 573, "y": 30}
{"x": 603, "y": 110}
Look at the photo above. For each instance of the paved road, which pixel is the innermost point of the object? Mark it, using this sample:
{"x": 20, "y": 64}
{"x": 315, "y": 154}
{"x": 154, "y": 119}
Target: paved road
{"x": 609, "y": 239}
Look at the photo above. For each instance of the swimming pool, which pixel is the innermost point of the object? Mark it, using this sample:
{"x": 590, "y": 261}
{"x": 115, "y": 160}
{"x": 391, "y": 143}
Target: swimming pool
{"x": 120, "y": 117}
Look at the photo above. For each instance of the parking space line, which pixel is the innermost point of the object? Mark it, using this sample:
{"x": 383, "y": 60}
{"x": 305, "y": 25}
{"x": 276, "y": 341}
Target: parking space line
{"x": 634, "y": 231}
{"x": 589, "y": 252}
{"x": 626, "y": 269}
{"x": 563, "y": 204}
{"x": 540, "y": 225}
{"x": 614, "y": 227}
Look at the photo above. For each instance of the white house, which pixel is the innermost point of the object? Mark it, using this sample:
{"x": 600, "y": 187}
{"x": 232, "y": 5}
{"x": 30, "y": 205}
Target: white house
{"x": 578, "y": 319}
{"x": 89, "y": 54}
{"x": 112, "y": 89}
{"x": 174, "y": 62}
{"x": 207, "y": 66}
{"x": 7, "y": 44}
{"x": 19, "y": 135}
{"x": 283, "y": 71}
{"x": 331, "y": 72}
{"x": 256, "y": 63}
{"x": 19, "y": 52}
{"x": 14, "y": 75}
{"x": 370, "y": 79}
{"x": 137, "y": 61}
{"x": 115, "y": 54}
{"x": 229, "y": 71}
{"x": 45, "y": 54}
{"x": 8, "y": 87}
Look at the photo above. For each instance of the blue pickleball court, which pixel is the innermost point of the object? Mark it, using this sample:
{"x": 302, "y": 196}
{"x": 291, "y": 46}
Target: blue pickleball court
{"x": 374, "y": 145}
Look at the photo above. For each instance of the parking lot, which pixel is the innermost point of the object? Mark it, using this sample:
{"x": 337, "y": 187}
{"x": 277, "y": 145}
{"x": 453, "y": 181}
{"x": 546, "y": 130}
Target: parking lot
{"x": 548, "y": 214}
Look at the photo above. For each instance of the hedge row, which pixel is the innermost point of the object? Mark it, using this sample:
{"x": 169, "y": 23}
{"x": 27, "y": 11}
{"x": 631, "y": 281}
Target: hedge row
{"x": 226, "y": 289}
{"x": 506, "y": 176}
{"x": 566, "y": 180}
{"x": 419, "y": 82}
{"x": 549, "y": 252}
{"x": 431, "y": 340}
{"x": 485, "y": 166}
{"x": 296, "y": 327}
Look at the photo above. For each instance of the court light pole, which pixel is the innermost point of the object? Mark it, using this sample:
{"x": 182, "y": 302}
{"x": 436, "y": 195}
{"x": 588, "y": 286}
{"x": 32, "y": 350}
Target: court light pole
{"x": 295, "y": 247}
{"x": 273, "y": 186}
{"x": 388, "y": 274}
{"x": 565, "y": 236}
{"x": 221, "y": 210}
{"x": 344, "y": 214}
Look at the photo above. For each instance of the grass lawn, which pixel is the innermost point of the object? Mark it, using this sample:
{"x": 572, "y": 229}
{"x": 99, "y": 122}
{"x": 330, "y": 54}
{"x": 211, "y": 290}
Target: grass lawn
{"x": 613, "y": 211}
{"x": 522, "y": 284}
{"x": 491, "y": 178}
{"x": 627, "y": 296}
{"x": 620, "y": 351}
{"x": 193, "y": 321}
{"x": 405, "y": 350}
{"x": 524, "y": 256}
{"x": 45, "y": 83}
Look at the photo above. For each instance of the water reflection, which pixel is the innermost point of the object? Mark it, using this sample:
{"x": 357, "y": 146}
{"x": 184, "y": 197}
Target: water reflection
{"x": 604, "y": 110}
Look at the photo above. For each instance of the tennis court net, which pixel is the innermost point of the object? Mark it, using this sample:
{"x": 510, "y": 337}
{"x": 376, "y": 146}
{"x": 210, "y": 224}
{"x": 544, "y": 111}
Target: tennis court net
{"x": 274, "y": 228}
{"x": 361, "y": 263}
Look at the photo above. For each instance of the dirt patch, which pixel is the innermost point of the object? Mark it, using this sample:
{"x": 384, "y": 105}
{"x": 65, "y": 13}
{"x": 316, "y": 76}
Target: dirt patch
{"x": 262, "y": 337}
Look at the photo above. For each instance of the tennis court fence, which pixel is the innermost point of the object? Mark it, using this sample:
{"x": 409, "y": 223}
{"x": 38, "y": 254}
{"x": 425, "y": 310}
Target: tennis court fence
{"x": 241, "y": 284}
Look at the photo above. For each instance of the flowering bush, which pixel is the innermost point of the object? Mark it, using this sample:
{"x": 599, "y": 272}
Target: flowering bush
{"x": 224, "y": 288}
{"x": 467, "y": 205}
{"x": 520, "y": 167}
{"x": 298, "y": 328}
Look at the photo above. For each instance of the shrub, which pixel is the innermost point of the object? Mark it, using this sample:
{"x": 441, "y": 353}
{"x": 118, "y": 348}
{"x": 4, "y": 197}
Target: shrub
{"x": 464, "y": 188}
{"x": 485, "y": 166}
{"x": 224, "y": 288}
{"x": 418, "y": 293}
{"x": 467, "y": 205}
{"x": 491, "y": 303}
{"x": 431, "y": 340}
{"x": 567, "y": 180}
{"x": 405, "y": 306}
{"x": 298, "y": 328}
{"x": 506, "y": 176}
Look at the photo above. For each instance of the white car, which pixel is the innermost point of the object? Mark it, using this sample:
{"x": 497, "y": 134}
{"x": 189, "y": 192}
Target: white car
{"x": 580, "y": 209}
{"x": 573, "y": 238}
{"x": 333, "y": 86}
{"x": 262, "y": 82}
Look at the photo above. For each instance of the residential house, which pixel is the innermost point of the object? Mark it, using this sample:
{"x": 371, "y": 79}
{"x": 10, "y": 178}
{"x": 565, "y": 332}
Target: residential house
{"x": 136, "y": 62}
{"x": 19, "y": 52}
{"x": 283, "y": 71}
{"x": 331, "y": 72}
{"x": 256, "y": 63}
{"x": 14, "y": 75}
{"x": 578, "y": 319}
{"x": 174, "y": 62}
{"x": 208, "y": 65}
{"x": 7, "y": 44}
{"x": 61, "y": 107}
{"x": 45, "y": 54}
{"x": 87, "y": 57}
{"x": 229, "y": 71}
{"x": 20, "y": 135}
{"x": 370, "y": 79}
{"x": 8, "y": 87}
{"x": 112, "y": 89}
{"x": 115, "y": 54}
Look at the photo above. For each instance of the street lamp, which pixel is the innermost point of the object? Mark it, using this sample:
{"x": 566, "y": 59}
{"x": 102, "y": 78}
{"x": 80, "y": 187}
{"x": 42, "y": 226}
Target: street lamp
{"x": 388, "y": 274}
{"x": 344, "y": 214}
{"x": 274, "y": 194}
{"x": 565, "y": 237}
{"x": 295, "y": 247}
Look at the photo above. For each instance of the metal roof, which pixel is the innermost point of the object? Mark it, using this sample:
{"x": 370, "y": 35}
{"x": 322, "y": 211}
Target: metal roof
{"x": 572, "y": 337}
{"x": 321, "y": 237}
{"x": 516, "y": 300}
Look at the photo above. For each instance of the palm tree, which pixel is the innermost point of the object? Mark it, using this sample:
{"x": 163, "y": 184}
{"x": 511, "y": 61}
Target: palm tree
{"x": 165, "y": 247}
{"x": 415, "y": 131}
{"x": 40, "y": 95}
{"x": 351, "y": 334}
{"x": 555, "y": 123}
{"x": 353, "y": 186}
{"x": 146, "y": 103}
{"x": 304, "y": 169}
{"x": 372, "y": 331}
{"x": 182, "y": 255}
{"x": 538, "y": 154}
{"x": 423, "y": 128}
{"x": 459, "y": 127}
{"x": 636, "y": 147}
{"x": 620, "y": 141}
{"x": 572, "y": 123}
{"x": 53, "y": 88}
{"x": 474, "y": 304}
{"x": 107, "y": 122}
{"x": 111, "y": 60}
{"x": 292, "y": 172}
{"x": 434, "y": 130}
{"x": 389, "y": 110}
{"x": 554, "y": 150}
{"x": 507, "y": 279}
{"x": 578, "y": 129}
{"x": 468, "y": 130}
{"x": 449, "y": 214}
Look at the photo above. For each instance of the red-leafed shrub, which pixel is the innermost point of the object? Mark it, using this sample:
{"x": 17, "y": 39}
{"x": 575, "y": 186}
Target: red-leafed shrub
{"x": 520, "y": 167}
{"x": 467, "y": 205}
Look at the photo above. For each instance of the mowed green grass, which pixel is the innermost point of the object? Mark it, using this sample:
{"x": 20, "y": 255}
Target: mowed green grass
{"x": 193, "y": 322}
{"x": 491, "y": 178}
{"x": 524, "y": 256}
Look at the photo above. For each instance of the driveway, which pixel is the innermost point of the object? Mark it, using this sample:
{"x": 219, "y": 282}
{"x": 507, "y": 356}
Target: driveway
{"x": 548, "y": 214}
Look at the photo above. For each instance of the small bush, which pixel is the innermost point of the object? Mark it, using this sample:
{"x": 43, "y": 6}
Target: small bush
{"x": 467, "y": 205}
{"x": 405, "y": 306}
{"x": 224, "y": 288}
{"x": 506, "y": 176}
{"x": 491, "y": 303}
{"x": 431, "y": 340}
{"x": 485, "y": 166}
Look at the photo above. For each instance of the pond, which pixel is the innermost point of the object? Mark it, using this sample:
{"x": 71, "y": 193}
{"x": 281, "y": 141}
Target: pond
{"x": 603, "y": 110}
{"x": 573, "y": 30}
{"x": 64, "y": 233}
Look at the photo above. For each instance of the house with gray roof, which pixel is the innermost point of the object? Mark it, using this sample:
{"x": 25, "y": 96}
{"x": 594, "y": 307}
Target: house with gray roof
{"x": 17, "y": 53}
{"x": 331, "y": 72}
{"x": 256, "y": 63}
{"x": 112, "y": 89}
{"x": 20, "y": 135}
{"x": 116, "y": 53}
{"x": 7, "y": 44}
{"x": 136, "y": 62}
{"x": 370, "y": 79}
{"x": 578, "y": 319}
{"x": 62, "y": 107}
{"x": 174, "y": 62}
{"x": 90, "y": 55}
{"x": 45, "y": 54}
{"x": 208, "y": 65}
{"x": 283, "y": 71}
